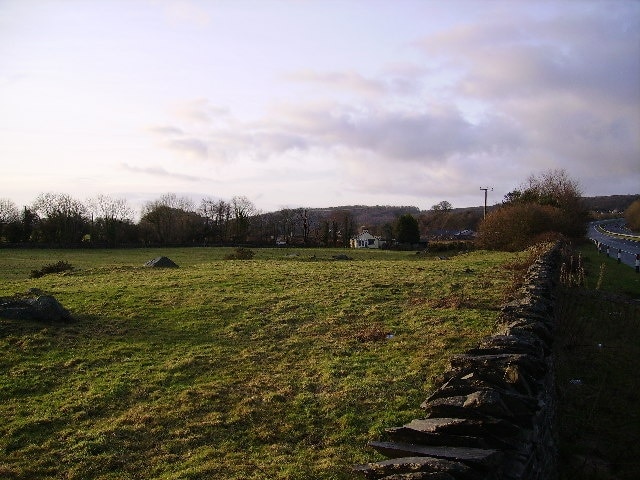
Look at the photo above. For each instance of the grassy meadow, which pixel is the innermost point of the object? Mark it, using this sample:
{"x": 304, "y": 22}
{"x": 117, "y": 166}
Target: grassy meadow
{"x": 279, "y": 367}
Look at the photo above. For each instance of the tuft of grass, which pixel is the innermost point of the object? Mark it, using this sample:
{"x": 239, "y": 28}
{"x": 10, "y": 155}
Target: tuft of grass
{"x": 240, "y": 253}
{"x": 603, "y": 268}
{"x": 373, "y": 333}
{"x": 281, "y": 367}
{"x": 58, "y": 267}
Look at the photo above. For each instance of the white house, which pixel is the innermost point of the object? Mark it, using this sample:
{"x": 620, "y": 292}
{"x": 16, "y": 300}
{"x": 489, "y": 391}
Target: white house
{"x": 366, "y": 240}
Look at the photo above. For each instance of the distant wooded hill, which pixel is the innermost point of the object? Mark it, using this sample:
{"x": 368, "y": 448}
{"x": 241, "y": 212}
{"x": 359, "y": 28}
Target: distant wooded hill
{"x": 369, "y": 216}
{"x": 375, "y": 217}
{"x": 610, "y": 203}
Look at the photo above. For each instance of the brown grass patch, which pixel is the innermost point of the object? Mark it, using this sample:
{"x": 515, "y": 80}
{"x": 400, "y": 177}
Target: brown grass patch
{"x": 373, "y": 333}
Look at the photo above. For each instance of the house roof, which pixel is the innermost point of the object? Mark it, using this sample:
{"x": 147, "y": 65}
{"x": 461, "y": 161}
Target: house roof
{"x": 364, "y": 236}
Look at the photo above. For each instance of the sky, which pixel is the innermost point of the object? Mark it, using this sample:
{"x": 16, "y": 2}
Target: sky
{"x": 317, "y": 103}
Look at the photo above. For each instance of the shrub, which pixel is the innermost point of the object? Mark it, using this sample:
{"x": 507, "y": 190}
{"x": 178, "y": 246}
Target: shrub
{"x": 61, "y": 266}
{"x": 517, "y": 226}
{"x": 240, "y": 254}
{"x": 548, "y": 206}
{"x": 451, "y": 245}
{"x": 632, "y": 216}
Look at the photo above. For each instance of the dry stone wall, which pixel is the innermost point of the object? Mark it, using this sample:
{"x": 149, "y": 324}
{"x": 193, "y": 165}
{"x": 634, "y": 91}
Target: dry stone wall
{"x": 492, "y": 413}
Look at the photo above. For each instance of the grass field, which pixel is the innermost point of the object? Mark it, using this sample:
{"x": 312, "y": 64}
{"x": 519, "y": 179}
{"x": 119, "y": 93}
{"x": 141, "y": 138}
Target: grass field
{"x": 283, "y": 366}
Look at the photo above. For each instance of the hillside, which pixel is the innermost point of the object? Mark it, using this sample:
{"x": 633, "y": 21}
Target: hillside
{"x": 374, "y": 217}
{"x": 610, "y": 203}
{"x": 370, "y": 216}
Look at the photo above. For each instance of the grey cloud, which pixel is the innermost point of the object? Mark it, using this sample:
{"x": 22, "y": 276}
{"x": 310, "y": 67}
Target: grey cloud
{"x": 397, "y": 79}
{"x": 192, "y": 146}
{"x": 340, "y": 80}
{"x": 166, "y": 130}
{"x": 429, "y": 137}
{"x": 181, "y": 141}
{"x": 455, "y": 179}
{"x": 410, "y": 137}
{"x": 569, "y": 85}
{"x": 279, "y": 141}
{"x": 583, "y": 54}
{"x": 602, "y": 50}
{"x": 201, "y": 111}
{"x": 160, "y": 172}
{"x": 418, "y": 136}
{"x": 558, "y": 92}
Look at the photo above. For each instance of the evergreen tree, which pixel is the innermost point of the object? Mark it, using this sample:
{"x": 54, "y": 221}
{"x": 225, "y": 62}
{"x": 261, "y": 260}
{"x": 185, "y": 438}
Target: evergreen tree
{"x": 407, "y": 229}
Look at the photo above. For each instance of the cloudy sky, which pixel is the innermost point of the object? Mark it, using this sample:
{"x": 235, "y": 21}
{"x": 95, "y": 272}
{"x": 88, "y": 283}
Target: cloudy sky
{"x": 317, "y": 102}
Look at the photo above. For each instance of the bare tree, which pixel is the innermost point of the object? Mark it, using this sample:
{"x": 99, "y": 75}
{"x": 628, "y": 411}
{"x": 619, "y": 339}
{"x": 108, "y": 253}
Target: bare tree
{"x": 172, "y": 200}
{"x": 9, "y": 219}
{"x": 217, "y": 215}
{"x": 287, "y": 222}
{"x": 305, "y": 221}
{"x": 63, "y": 219}
{"x": 111, "y": 208}
{"x": 171, "y": 219}
{"x": 438, "y": 216}
{"x": 324, "y": 233}
{"x": 243, "y": 209}
{"x": 555, "y": 188}
{"x": 342, "y": 227}
{"x": 8, "y": 211}
{"x": 111, "y": 218}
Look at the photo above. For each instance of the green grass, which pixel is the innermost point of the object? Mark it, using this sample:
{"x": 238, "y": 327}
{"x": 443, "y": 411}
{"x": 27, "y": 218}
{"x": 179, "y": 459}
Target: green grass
{"x": 281, "y": 366}
{"x": 597, "y": 358}
{"x": 604, "y": 273}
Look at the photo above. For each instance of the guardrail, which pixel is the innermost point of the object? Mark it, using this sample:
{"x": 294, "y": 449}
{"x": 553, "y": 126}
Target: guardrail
{"x": 624, "y": 236}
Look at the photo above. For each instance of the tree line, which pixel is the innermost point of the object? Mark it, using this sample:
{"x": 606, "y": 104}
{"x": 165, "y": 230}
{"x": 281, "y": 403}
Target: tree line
{"x": 546, "y": 206}
{"x": 58, "y": 219}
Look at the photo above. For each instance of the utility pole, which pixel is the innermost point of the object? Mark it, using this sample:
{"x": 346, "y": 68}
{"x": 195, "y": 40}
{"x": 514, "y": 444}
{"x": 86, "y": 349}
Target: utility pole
{"x": 485, "y": 198}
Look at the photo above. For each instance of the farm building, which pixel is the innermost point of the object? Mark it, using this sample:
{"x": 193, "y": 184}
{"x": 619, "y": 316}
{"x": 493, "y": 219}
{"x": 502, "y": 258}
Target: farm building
{"x": 366, "y": 240}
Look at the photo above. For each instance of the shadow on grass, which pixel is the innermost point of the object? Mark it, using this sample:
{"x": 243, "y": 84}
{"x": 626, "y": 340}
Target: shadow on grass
{"x": 597, "y": 364}
{"x": 99, "y": 395}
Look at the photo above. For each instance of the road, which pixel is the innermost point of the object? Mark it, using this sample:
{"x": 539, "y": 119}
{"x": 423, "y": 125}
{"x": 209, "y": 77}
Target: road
{"x": 628, "y": 248}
